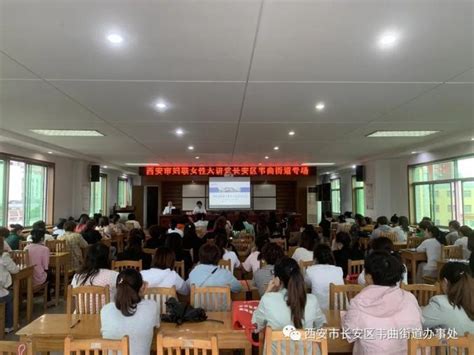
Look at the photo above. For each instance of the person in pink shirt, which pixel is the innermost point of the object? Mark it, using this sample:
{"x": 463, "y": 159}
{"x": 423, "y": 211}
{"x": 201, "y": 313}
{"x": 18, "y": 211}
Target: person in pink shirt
{"x": 382, "y": 309}
{"x": 38, "y": 256}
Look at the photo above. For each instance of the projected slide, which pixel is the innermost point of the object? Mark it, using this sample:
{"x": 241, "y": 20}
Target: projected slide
{"x": 227, "y": 193}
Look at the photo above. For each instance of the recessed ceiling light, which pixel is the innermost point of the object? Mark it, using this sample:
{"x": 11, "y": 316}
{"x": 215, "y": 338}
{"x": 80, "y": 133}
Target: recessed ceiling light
{"x": 414, "y": 152}
{"x": 115, "y": 38}
{"x": 388, "y": 39}
{"x": 196, "y": 158}
{"x": 316, "y": 164}
{"x": 267, "y": 157}
{"x": 50, "y": 152}
{"x": 105, "y": 166}
{"x": 161, "y": 106}
{"x": 320, "y": 106}
{"x": 142, "y": 164}
{"x": 276, "y": 148}
{"x": 68, "y": 132}
{"x": 179, "y": 132}
{"x": 401, "y": 133}
{"x": 472, "y": 139}
{"x": 353, "y": 166}
{"x": 191, "y": 147}
{"x": 291, "y": 133}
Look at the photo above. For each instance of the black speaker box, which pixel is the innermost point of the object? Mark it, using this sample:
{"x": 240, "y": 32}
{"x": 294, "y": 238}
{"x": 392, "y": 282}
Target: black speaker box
{"x": 360, "y": 173}
{"x": 95, "y": 173}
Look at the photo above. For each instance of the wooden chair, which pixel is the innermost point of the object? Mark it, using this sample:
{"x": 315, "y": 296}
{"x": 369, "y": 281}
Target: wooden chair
{"x": 179, "y": 268}
{"x": 291, "y": 250}
{"x": 390, "y": 235}
{"x": 355, "y": 266}
{"x": 305, "y": 264}
{"x": 150, "y": 251}
{"x": 451, "y": 252}
{"x": 2, "y": 320}
{"x": 87, "y": 299}
{"x": 243, "y": 245}
{"x": 170, "y": 346}
{"x": 96, "y": 346}
{"x": 284, "y": 345}
{"x": 225, "y": 264}
{"x": 364, "y": 243}
{"x": 126, "y": 264}
{"x": 56, "y": 246}
{"x": 42, "y": 290}
{"x": 23, "y": 244}
{"x": 414, "y": 242}
{"x": 422, "y": 292}
{"x": 14, "y": 348}
{"x": 340, "y": 295}
{"x": 461, "y": 345}
{"x": 20, "y": 257}
{"x": 160, "y": 295}
{"x": 211, "y": 298}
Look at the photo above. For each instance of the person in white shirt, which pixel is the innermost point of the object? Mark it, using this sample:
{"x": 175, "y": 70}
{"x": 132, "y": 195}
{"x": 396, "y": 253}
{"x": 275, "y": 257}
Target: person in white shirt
{"x": 432, "y": 248}
{"x": 453, "y": 234}
{"x": 323, "y": 273}
{"x": 199, "y": 208}
{"x": 252, "y": 263}
{"x": 40, "y": 225}
{"x": 132, "y": 222}
{"x": 169, "y": 208}
{"x": 305, "y": 250}
{"x": 162, "y": 274}
{"x": 382, "y": 226}
{"x": 464, "y": 231}
{"x": 7, "y": 267}
{"x": 174, "y": 228}
{"x": 223, "y": 243}
{"x": 402, "y": 228}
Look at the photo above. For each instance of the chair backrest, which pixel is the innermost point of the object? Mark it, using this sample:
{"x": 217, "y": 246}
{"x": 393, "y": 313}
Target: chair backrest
{"x": 211, "y": 298}
{"x": 16, "y": 348}
{"x": 96, "y": 346}
{"x": 340, "y": 295}
{"x": 390, "y": 235}
{"x": 422, "y": 292}
{"x": 129, "y": 225}
{"x": 160, "y": 295}
{"x": 86, "y": 299}
{"x": 243, "y": 243}
{"x": 150, "y": 251}
{"x": 20, "y": 257}
{"x": 278, "y": 344}
{"x": 355, "y": 266}
{"x": 170, "y": 346}
{"x": 414, "y": 242}
{"x": 179, "y": 268}
{"x": 334, "y": 226}
{"x": 23, "y": 244}
{"x": 346, "y": 227}
{"x": 461, "y": 346}
{"x": 451, "y": 252}
{"x": 305, "y": 264}
{"x": 56, "y": 246}
{"x": 291, "y": 250}
{"x": 126, "y": 264}
{"x": 225, "y": 264}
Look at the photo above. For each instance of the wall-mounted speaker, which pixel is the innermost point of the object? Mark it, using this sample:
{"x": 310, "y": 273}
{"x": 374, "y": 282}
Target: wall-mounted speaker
{"x": 360, "y": 173}
{"x": 95, "y": 173}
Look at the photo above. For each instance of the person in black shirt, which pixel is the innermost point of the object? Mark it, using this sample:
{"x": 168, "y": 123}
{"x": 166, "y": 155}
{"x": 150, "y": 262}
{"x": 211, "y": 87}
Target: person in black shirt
{"x": 175, "y": 242}
{"x": 158, "y": 237}
{"x": 91, "y": 235}
{"x": 134, "y": 251}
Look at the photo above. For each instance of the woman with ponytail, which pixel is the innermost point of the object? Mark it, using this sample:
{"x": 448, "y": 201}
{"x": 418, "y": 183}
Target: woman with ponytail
{"x": 432, "y": 247}
{"x": 285, "y": 302}
{"x": 455, "y": 308}
{"x": 130, "y": 314}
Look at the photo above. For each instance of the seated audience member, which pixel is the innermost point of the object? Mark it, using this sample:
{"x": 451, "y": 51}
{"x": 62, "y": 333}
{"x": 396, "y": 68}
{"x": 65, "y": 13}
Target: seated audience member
{"x": 104, "y": 228}
{"x": 249, "y": 228}
{"x": 96, "y": 269}
{"x": 238, "y": 227}
{"x": 130, "y": 314}
{"x": 4, "y": 233}
{"x": 7, "y": 267}
{"x": 252, "y": 263}
{"x": 464, "y": 232}
{"x": 382, "y": 227}
{"x": 191, "y": 241}
{"x": 286, "y": 302}
{"x": 14, "y": 237}
{"x": 342, "y": 250}
{"x": 394, "y": 220}
{"x": 207, "y": 273}
{"x": 199, "y": 208}
{"x": 175, "y": 243}
{"x": 132, "y": 222}
{"x": 174, "y": 228}
{"x": 271, "y": 253}
{"x": 356, "y": 229}
{"x": 348, "y": 217}
{"x": 169, "y": 208}
{"x": 261, "y": 228}
{"x": 454, "y": 309}
{"x": 386, "y": 245}
{"x": 227, "y": 254}
{"x": 58, "y": 229}
{"x": 453, "y": 234}
{"x": 157, "y": 237}
{"x": 81, "y": 224}
{"x": 74, "y": 244}
{"x": 90, "y": 234}
{"x": 222, "y": 224}
{"x": 381, "y": 305}
{"x": 273, "y": 224}
{"x": 323, "y": 273}
{"x": 200, "y": 221}
{"x": 423, "y": 227}
{"x": 134, "y": 250}
{"x": 305, "y": 251}
{"x": 402, "y": 228}
{"x": 432, "y": 247}
{"x": 470, "y": 245}
{"x": 40, "y": 225}
{"x": 341, "y": 219}
{"x": 162, "y": 274}
{"x": 325, "y": 224}
{"x": 38, "y": 256}
{"x": 117, "y": 226}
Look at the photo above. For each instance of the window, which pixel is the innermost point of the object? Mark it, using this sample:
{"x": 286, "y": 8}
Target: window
{"x": 124, "y": 194}
{"x": 442, "y": 191}
{"x": 336, "y": 195}
{"x": 358, "y": 196}
{"x": 24, "y": 191}
{"x": 98, "y": 196}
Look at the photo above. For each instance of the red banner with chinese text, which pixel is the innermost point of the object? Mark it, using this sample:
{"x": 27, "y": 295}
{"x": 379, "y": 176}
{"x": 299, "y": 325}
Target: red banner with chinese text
{"x": 227, "y": 171}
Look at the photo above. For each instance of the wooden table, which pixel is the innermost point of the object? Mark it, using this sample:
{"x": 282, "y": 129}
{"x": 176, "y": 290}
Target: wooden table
{"x": 410, "y": 258}
{"x": 56, "y": 262}
{"x": 400, "y": 245}
{"x": 25, "y": 273}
